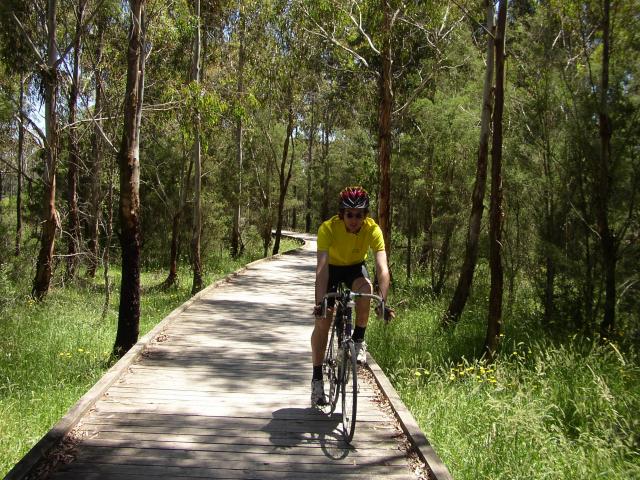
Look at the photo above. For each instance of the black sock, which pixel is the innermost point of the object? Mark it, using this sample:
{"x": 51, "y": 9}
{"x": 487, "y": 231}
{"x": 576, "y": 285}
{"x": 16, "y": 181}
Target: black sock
{"x": 317, "y": 372}
{"x": 358, "y": 334}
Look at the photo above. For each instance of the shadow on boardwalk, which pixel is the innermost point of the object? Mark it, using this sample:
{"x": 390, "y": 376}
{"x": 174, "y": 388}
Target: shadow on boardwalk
{"x": 223, "y": 392}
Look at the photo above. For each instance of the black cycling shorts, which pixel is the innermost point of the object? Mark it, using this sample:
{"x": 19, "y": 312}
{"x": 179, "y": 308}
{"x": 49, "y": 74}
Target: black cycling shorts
{"x": 344, "y": 274}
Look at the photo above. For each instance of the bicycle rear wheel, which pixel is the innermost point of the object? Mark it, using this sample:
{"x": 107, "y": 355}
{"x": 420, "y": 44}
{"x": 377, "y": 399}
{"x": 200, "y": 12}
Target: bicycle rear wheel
{"x": 331, "y": 373}
{"x": 349, "y": 385}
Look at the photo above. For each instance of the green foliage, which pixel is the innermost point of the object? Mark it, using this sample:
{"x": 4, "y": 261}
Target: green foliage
{"x": 561, "y": 409}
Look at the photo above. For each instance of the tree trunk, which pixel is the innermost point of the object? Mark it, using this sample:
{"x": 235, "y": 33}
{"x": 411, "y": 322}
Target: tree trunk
{"x": 309, "y": 192}
{"x": 237, "y": 246}
{"x": 496, "y": 214}
{"x": 603, "y": 187}
{"x": 284, "y": 178}
{"x": 51, "y": 219}
{"x": 461, "y": 294}
{"x": 74, "y": 150}
{"x": 384, "y": 129}
{"x": 129, "y": 163}
{"x": 172, "y": 277}
{"x": 324, "y": 206}
{"x": 197, "y": 162}
{"x": 106, "y": 254}
{"x": 20, "y": 169}
{"x": 426, "y": 251}
{"x": 96, "y": 158}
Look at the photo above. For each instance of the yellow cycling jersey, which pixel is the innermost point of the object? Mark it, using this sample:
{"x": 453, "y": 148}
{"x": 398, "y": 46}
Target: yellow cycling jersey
{"x": 349, "y": 248}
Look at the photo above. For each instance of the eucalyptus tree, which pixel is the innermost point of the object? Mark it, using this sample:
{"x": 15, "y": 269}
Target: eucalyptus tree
{"x": 73, "y": 144}
{"x": 129, "y": 163}
{"x": 461, "y": 294}
{"x": 496, "y": 213}
{"x": 51, "y": 218}
{"x": 391, "y": 41}
{"x": 194, "y": 77}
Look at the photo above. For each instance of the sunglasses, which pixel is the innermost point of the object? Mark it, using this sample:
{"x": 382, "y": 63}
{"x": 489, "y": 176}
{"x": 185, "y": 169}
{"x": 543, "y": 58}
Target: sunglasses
{"x": 358, "y": 215}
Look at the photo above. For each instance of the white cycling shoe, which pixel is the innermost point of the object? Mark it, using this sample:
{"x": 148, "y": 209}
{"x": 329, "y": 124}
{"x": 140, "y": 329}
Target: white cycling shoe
{"x": 318, "y": 398}
{"x": 361, "y": 352}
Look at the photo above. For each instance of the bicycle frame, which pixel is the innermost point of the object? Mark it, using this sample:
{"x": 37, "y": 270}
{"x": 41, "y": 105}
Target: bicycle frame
{"x": 341, "y": 366}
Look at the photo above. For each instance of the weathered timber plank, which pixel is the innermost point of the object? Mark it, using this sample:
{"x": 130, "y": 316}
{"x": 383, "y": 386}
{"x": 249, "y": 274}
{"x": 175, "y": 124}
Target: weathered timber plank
{"x": 333, "y": 449}
{"x": 251, "y": 469}
{"x": 218, "y": 459}
{"x": 114, "y": 472}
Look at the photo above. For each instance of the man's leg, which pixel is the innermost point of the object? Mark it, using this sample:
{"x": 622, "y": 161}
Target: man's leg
{"x": 361, "y": 285}
{"x": 318, "y": 347}
{"x": 319, "y": 338}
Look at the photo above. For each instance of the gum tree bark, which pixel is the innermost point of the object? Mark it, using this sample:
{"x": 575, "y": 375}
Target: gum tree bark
{"x": 50, "y": 218}
{"x": 384, "y": 129}
{"x": 74, "y": 149}
{"x": 284, "y": 177}
{"x": 496, "y": 213}
{"x": 96, "y": 157}
{"x": 237, "y": 246}
{"x": 603, "y": 186}
{"x": 197, "y": 162}
{"x": 129, "y": 208}
{"x": 20, "y": 169}
{"x": 461, "y": 294}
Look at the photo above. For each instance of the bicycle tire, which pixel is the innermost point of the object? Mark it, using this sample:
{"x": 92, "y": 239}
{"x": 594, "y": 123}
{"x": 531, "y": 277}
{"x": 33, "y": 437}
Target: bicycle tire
{"x": 349, "y": 386}
{"x": 331, "y": 373}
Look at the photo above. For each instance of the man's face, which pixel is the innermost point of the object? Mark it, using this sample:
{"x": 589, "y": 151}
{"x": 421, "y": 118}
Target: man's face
{"x": 353, "y": 218}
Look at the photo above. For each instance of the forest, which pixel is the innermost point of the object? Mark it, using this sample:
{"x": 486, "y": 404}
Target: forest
{"x": 147, "y": 147}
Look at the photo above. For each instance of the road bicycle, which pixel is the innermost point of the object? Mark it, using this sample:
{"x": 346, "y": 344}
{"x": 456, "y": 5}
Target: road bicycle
{"x": 340, "y": 363}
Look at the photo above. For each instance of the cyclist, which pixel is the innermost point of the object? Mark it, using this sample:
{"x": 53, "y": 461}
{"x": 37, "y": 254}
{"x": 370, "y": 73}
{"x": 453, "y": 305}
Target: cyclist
{"x": 343, "y": 244}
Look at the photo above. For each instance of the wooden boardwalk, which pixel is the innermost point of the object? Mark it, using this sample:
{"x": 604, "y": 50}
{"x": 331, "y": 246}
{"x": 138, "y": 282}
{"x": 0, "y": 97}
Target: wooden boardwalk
{"x": 223, "y": 392}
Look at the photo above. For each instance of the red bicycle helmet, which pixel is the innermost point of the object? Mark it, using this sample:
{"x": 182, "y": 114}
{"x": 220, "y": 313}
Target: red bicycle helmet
{"x": 354, "y": 197}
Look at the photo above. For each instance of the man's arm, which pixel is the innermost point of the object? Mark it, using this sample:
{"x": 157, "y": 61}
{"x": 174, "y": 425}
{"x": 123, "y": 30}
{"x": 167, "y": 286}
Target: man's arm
{"x": 322, "y": 275}
{"x": 382, "y": 271}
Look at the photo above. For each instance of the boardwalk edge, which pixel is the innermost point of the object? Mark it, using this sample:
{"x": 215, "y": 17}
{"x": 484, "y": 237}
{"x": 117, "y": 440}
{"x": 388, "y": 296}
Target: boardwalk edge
{"x": 437, "y": 469}
{"x": 39, "y": 452}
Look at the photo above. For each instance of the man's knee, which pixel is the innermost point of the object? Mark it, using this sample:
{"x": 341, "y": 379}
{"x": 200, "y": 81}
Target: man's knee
{"x": 362, "y": 285}
{"x": 323, "y": 324}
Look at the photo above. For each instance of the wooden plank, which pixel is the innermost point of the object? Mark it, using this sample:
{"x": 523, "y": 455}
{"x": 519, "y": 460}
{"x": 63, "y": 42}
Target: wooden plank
{"x": 324, "y": 448}
{"x": 218, "y": 458}
{"x": 246, "y": 470}
{"x": 114, "y": 472}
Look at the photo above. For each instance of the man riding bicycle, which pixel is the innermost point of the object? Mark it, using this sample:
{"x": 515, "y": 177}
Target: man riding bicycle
{"x": 343, "y": 243}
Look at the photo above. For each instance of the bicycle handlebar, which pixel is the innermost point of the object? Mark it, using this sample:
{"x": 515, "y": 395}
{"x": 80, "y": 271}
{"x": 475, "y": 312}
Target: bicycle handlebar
{"x": 352, "y": 295}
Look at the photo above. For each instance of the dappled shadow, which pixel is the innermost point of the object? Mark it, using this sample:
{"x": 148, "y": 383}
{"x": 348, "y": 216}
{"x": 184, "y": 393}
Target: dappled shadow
{"x": 290, "y": 427}
{"x": 223, "y": 392}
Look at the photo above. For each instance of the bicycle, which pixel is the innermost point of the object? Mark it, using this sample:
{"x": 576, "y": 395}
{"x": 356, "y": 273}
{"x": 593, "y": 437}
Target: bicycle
{"x": 340, "y": 364}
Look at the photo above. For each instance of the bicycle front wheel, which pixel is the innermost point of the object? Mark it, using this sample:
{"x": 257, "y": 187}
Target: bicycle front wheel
{"x": 349, "y": 386}
{"x": 331, "y": 372}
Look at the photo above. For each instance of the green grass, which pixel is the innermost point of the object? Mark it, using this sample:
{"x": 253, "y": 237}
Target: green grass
{"x": 52, "y": 352}
{"x": 546, "y": 409}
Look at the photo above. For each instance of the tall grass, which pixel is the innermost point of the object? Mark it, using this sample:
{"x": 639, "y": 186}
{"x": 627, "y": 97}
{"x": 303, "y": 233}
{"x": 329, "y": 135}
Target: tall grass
{"x": 52, "y": 352}
{"x": 548, "y": 408}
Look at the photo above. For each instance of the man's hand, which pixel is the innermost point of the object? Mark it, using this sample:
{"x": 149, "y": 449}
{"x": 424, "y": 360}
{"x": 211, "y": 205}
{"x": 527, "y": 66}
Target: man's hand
{"x": 317, "y": 310}
{"x": 389, "y": 313}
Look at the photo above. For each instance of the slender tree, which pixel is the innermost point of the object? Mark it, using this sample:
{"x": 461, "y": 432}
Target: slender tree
{"x": 197, "y": 162}
{"x": 74, "y": 148}
{"x": 285, "y": 167}
{"x": 129, "y": 163}
{"x": 461, "y": 294}
{"x": 603, "y": 184}
{"x": 20, "y": 161}
{"x": 236, "y": 240}
{"x": 385, "y": 108}
{"x": 97, "y": 152}
{"x": 50, "y": 217}
{"x": 496, "y": 214}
